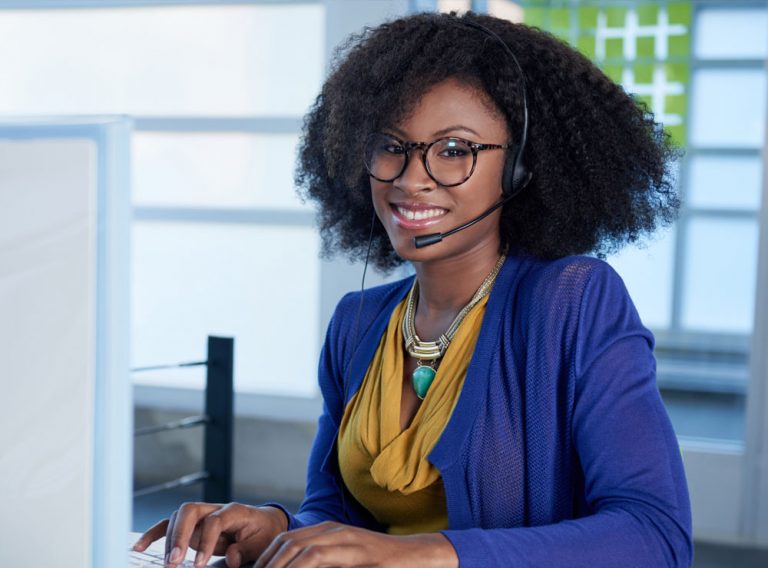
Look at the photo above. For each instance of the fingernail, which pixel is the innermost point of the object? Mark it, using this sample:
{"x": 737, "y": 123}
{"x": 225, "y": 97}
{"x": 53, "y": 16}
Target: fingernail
{"x": 175, "y": 555}
{"x": 199, "y": 559}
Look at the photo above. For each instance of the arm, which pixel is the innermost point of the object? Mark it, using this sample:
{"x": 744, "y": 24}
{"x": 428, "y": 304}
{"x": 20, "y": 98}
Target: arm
{"x": 634, "y": 480}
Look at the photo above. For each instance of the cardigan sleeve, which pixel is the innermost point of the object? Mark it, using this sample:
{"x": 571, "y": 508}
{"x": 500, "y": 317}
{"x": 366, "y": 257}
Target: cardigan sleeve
{"x": 634, "y": 480}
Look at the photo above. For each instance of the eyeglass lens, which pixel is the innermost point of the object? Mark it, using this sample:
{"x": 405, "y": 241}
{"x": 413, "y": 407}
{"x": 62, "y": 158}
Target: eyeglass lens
{"x": 449, "y": 160}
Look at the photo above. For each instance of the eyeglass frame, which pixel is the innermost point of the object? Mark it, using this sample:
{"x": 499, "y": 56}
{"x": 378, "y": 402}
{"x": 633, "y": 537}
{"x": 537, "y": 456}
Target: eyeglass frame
{"x": 475, "y": 147}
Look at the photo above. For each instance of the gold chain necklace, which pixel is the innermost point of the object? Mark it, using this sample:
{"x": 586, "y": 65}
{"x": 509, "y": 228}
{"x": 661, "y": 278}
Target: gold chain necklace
{"x": 427, "y": 353}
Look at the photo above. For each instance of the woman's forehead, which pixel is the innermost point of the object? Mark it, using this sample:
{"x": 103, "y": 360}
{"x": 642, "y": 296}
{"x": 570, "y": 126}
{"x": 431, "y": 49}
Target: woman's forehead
{"x": 452, "y": 104}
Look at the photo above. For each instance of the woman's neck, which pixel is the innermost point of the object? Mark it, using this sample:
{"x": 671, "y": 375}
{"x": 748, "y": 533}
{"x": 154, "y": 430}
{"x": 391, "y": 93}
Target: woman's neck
{"x": 446, "y": 286}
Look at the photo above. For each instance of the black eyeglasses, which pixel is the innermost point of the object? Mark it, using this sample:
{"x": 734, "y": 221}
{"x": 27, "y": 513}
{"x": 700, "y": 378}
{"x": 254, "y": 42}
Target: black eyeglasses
{"x": 449, "y": 161}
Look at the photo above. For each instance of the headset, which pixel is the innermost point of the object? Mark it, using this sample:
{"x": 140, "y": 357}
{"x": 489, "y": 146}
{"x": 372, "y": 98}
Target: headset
{"x": 515, "y": 176}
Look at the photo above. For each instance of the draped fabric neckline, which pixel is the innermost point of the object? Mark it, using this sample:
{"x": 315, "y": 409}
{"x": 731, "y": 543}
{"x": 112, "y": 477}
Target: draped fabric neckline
{"x": 377, "y": 457}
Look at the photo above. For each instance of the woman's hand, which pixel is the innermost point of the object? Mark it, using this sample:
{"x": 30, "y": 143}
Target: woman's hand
{"x": 238, "y": 532}
{"x": 335, "y": 544}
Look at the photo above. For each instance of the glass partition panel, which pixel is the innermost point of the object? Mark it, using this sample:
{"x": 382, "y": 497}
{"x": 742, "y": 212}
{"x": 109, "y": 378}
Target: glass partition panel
{"x": 719, "y": 275}
{"x": 648, "y": 272}
{"x": 728, "y": 108}
{"x": 725, "y": 182}
{"x": 723, "y": 33}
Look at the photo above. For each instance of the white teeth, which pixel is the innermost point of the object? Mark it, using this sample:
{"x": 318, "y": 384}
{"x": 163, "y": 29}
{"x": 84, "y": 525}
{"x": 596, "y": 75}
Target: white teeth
{"x": 420, "y": 214}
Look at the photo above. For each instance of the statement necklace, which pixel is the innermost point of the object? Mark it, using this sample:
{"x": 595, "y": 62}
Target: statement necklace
{"x": 427, "y": 353}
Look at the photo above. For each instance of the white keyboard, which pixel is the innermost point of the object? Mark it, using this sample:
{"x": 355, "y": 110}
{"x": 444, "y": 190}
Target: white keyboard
{"x": 149, "y": 559}
{"x": 153, "y": 556}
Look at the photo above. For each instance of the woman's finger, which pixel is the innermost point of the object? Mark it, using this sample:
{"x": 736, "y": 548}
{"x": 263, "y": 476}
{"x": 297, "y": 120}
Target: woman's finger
{"x": 316, "y": 555}
{"x": 312, "y": 555}
{"x": 287, "y": 545}
{"x": 278, "y": 542}
{"x": 210, "y": 535}
{"x": 181, "y": 527}
{"x": 155, "y": 532}
{"x": 233, "y": 556}
{"x": 322, "y": 555}
{"x": 230, "y": 523}
{"x": 219, "y": 549}
{"x": 325, "y": 526}
{"x": 168, "y": 532}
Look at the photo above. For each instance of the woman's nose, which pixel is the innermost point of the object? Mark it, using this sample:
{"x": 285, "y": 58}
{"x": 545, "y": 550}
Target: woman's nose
{"x": 415, "y": 177}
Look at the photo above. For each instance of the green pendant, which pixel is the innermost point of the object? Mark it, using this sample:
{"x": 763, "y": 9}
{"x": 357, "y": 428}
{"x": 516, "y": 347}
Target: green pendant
{"x": 422, "y": 378}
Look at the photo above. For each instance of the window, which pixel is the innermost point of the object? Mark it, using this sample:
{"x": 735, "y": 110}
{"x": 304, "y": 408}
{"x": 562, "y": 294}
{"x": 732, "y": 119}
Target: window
{"x": 221, "y": 243}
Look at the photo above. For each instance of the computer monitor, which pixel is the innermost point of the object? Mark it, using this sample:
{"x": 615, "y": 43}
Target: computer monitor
{"x": 66, "y": 421}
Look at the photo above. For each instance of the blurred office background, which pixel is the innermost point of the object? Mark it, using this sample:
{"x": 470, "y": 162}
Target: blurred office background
{"x": 222, "y": 245}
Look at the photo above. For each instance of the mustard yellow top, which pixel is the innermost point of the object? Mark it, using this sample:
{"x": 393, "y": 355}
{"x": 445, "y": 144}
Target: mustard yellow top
{"x": 384, "y": 468}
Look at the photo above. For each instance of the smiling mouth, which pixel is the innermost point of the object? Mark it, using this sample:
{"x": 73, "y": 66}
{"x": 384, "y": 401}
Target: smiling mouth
{"x": 418, "y": 217}
{"x": 419, "y": 214}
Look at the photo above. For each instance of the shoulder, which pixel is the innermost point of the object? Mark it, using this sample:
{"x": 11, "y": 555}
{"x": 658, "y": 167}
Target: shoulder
{"x": 570, "y": 271}
{"x": 580, "y": 301}
{"x": 564, "y": 297}
{"x": 566, "y": 281}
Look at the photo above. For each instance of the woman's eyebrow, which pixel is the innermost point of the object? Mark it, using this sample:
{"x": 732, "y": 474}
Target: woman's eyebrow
{"x": 437, "y": 134}
{"x": 395, "y": 130}
{"x": 445, "y": 131}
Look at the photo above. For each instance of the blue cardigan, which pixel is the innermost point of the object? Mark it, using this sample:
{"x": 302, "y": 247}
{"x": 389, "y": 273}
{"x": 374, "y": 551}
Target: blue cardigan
{"x": 559, "y": 451}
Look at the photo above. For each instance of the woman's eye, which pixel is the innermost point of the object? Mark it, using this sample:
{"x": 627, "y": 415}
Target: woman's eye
{"x": 452, "y": 153}
{"x": 393, "y": 149}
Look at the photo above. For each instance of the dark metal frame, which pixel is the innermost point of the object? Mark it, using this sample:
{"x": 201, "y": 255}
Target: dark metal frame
{"x": 217, "y": 419}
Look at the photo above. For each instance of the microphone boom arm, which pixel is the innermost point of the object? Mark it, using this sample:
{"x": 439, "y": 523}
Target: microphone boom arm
{"x": 426, "y": 240}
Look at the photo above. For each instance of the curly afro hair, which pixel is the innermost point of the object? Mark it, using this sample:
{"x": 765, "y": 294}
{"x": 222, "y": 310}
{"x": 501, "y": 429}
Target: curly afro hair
{"x": 601, "y": 166}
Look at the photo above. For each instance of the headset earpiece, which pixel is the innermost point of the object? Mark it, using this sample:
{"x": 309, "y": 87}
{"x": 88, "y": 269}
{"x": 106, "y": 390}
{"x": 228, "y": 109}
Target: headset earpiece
{"x": 515, "y": 176}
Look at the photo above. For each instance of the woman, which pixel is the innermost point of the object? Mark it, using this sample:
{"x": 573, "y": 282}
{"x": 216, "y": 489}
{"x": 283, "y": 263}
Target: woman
{"x": 500, "y": 408}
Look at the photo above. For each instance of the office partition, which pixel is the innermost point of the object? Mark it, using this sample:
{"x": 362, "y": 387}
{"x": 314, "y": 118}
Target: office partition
{"x": 65, "y": 425}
